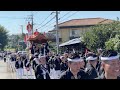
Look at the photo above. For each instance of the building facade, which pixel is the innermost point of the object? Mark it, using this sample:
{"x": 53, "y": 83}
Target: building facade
{"x": 76, "y": 27}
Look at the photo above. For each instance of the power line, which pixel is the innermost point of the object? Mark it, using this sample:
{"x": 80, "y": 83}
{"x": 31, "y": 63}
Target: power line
{"x": 70, "y": 15}
{"x": 50, "y": 24}
{"x": 64, "y": 15}
{"x": 48, "y": 28}
{"x": 12, "y": 18}
{"x": 59, "y": 18}
{"x": 47, "y": 22}
{"x": 55, "y": 21}
{"x": 46, "y": 18}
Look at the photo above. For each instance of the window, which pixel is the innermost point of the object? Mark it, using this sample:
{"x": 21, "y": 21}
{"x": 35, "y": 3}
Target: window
{"x": 74, "y": 33}
{"x": 59, "y": 34}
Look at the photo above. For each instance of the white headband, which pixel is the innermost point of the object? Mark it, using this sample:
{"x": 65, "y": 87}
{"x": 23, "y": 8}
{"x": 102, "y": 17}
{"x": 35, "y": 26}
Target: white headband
{"x": 75, "y": 60}
{"x": 91, "y": 58}
{"x": 61, "y": 57}
{"x": 41, "y": 57}
{"x": 110, "y": 58}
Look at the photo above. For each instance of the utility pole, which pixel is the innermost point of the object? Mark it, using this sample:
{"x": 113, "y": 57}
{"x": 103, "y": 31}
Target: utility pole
{"x": 57, "y": 36}
{"x": 22, "y": 35}
{"x": 32, "y": 22}
{"x": 22, "y": 29}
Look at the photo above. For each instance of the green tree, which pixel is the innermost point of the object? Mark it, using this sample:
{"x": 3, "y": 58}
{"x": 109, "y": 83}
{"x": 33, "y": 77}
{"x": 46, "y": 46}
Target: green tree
{"x": 14, "y": 40}
{"x": 113, "y": 43}
{"x": 97, "y": 35}
{"x": 3, "y": 37}
{"x": 110, "y": 44}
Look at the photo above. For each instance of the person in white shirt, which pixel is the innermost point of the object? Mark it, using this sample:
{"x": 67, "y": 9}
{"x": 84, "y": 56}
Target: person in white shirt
{"x": 19, "y": 68}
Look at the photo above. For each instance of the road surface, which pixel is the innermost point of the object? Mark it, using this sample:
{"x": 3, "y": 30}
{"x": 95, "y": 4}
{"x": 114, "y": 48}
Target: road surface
{"x": 4, "y": 74}
{"x": 7, "y": 72}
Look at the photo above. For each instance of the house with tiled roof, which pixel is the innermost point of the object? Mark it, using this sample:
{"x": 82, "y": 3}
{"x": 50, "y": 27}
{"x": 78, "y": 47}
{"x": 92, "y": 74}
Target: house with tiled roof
{"x": 74, "y": 28}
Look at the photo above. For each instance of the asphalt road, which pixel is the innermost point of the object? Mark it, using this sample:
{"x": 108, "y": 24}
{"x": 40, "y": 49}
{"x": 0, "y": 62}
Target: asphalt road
{"x": 4, "y": 73}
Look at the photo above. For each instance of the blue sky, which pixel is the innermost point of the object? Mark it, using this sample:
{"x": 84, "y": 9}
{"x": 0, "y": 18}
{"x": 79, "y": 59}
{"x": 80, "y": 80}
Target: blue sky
{"x": 11, "y": 20}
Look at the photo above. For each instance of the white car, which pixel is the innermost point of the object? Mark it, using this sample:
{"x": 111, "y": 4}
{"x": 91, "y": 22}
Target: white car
{"x": 19, "y": 52}
{"x": 22, "y": 52}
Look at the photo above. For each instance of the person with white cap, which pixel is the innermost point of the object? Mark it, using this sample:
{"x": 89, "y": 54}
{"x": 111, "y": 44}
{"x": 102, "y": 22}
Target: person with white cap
{"x": 19, "y": 68}
{"x": 91, "y": 67}
{"x": 63, "y": 64}
{"x": 74, "y": 71}
{"x": 52, "y": 69}
{"x": 35, "y": 61}
{"x": 28, "y": 66}
{"x": 110, "y": 64}
{"x": 56, "y": 66}
{"x": 66, "y": 55}
{"x": 42, "y": 70}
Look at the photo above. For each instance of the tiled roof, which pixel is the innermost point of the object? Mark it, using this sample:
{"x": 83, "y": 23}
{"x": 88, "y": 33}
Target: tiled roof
{"x": 86, "y": 21}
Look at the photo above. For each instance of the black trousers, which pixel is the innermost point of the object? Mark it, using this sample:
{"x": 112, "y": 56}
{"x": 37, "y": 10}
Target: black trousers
{"x": 4, "y": 59}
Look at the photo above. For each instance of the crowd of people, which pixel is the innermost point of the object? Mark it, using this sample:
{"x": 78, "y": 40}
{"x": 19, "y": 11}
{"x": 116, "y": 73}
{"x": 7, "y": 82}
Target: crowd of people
{"x": 48, "y": 65}
{"x": 3, "y": 55}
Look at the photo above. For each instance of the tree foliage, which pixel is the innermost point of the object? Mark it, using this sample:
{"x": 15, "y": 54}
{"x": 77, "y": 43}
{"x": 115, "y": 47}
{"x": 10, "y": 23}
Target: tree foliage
{"x": 14, "y": 40}
{"x": 50, "y": 36}
{"x": 113, "y": 43}
{"x": 97, "y": 35}
{"x": 3, "y": 37}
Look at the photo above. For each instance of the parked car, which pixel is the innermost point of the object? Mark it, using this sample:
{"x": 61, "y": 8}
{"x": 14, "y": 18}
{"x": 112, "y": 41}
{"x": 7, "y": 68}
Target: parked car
{"x": 22, "y": 52}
